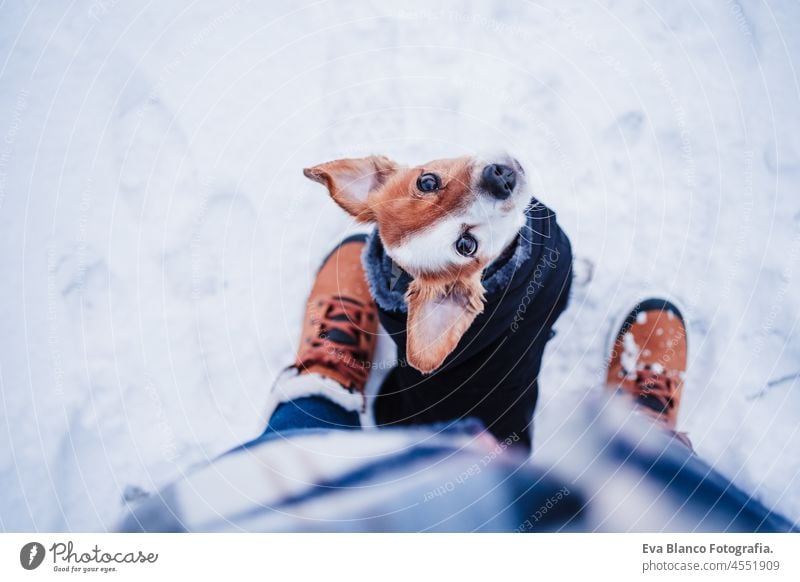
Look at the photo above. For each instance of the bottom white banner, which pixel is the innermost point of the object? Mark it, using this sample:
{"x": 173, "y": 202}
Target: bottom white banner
{"x": 407, "y": 557}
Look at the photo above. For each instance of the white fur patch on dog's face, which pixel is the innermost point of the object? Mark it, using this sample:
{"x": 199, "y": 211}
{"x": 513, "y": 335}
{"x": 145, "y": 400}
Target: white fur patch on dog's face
{"x": 434, "y": 248}
{"x": 493, "y": 224}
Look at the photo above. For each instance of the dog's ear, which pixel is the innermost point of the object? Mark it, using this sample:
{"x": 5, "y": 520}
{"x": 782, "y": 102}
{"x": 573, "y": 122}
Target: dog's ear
{"x": 438, "y": 315}
{"x": 350, "y": 182}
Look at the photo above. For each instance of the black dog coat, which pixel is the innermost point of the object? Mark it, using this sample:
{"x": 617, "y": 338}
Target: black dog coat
{"x": 492, "y": 373}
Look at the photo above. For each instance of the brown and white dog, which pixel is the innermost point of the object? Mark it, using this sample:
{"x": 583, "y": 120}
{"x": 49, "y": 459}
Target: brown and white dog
{"x": 442, "y": 222}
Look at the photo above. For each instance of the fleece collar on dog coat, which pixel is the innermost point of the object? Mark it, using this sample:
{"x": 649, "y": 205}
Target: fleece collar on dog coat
{"x": 389, "y": 282}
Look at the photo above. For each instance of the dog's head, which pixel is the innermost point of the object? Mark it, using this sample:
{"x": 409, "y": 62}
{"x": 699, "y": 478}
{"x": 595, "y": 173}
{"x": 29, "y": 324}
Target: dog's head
{"x": 443, "y": 222}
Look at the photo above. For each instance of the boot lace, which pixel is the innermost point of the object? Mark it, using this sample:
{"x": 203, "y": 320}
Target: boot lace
{"x": 655, "y": 390}
{"x": 338, "y": 341}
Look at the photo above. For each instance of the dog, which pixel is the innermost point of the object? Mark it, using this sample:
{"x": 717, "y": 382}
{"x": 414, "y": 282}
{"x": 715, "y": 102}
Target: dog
{"x": 469, "y": 272}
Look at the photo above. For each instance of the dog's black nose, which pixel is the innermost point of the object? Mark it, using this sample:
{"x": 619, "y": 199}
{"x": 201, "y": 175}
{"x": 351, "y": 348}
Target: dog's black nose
{"x": 499, "y": 180}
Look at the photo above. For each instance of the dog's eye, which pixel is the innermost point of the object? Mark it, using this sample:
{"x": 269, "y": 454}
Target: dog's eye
{"x": 466, "y": 245}
{"x": 428, "y": 182}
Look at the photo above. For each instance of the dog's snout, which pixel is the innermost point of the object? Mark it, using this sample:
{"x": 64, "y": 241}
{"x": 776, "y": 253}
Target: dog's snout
{"x": 499, "y": 180}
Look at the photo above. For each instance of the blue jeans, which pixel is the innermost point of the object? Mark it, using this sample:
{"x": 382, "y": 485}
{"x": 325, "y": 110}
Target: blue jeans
{"x": 303, "y": 415}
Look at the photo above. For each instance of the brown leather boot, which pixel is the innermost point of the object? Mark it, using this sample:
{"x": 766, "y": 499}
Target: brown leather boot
{"x": 648, "y": 361}
{"x": 341, "y": 320}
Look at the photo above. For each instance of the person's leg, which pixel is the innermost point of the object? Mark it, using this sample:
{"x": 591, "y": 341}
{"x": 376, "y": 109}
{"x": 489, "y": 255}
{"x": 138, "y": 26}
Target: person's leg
{"x": 324, "y": 388}
{"x": 304, "y": 414}
{"x": 691, "y": 495}
{"x": 647, "y": 366}
{"x": 312, "y": 412}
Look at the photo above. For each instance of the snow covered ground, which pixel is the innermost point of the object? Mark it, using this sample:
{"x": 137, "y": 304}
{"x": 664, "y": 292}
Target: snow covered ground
{"x": 157, "y": 236}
